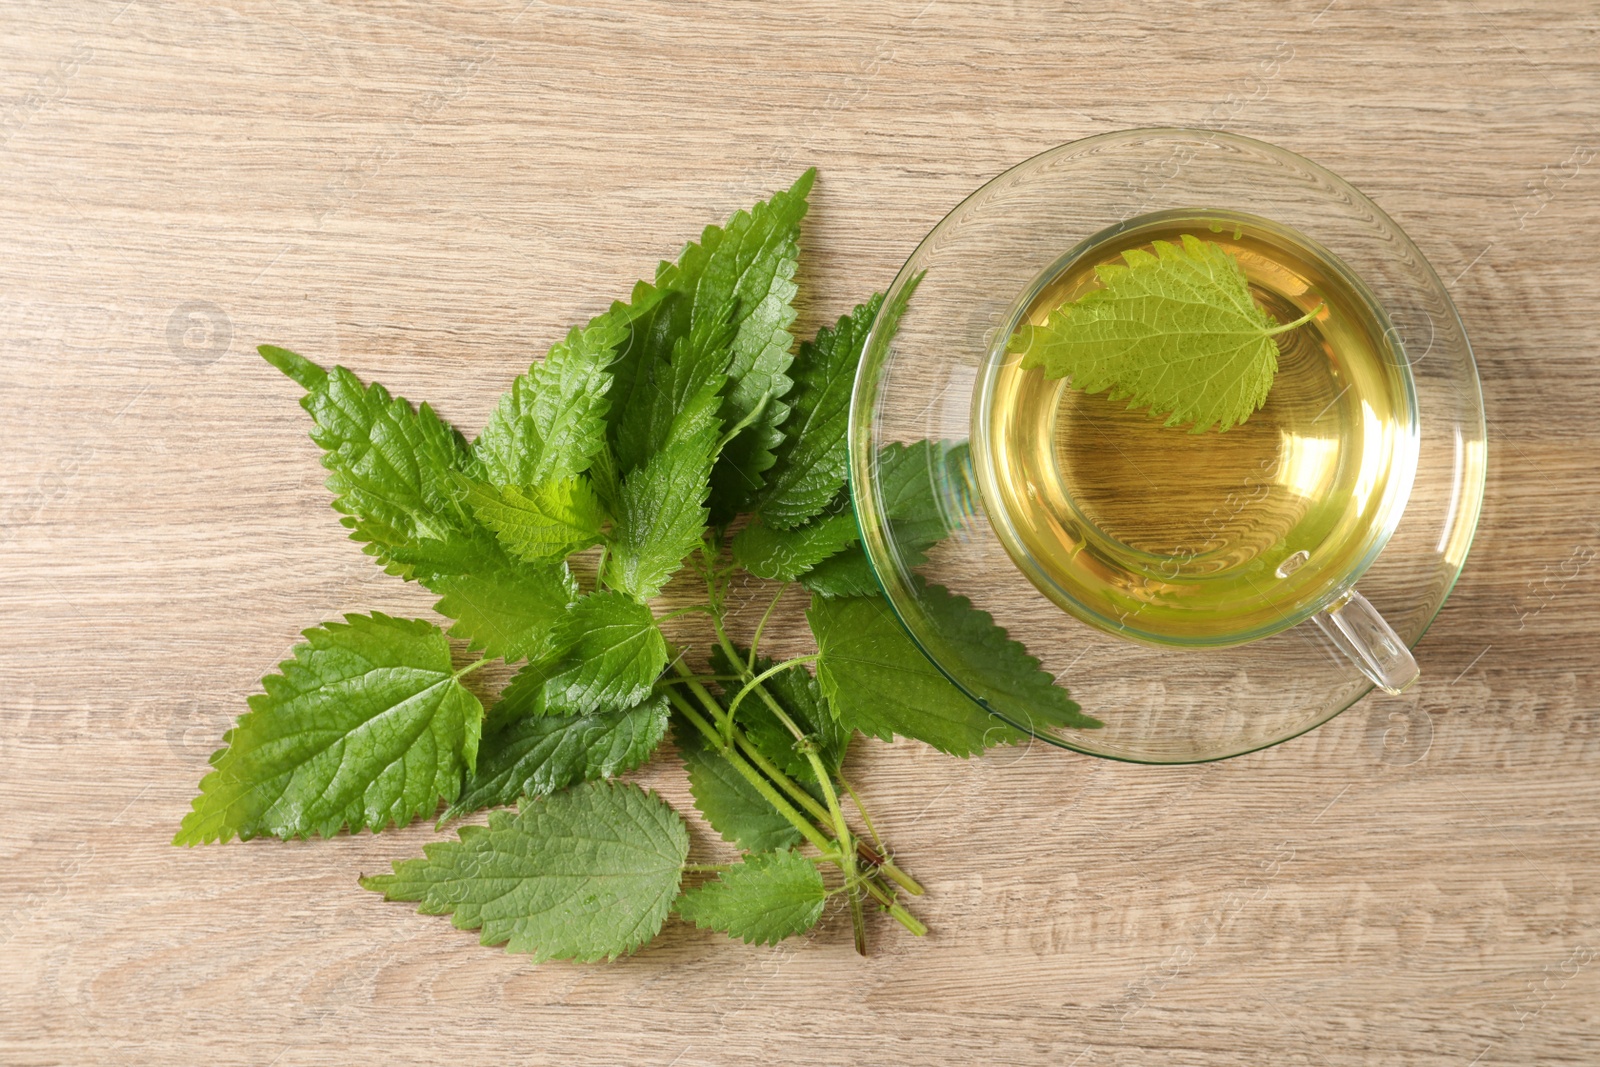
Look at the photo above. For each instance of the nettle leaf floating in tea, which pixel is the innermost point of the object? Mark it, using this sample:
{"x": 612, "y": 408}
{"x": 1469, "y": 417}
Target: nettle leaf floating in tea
{"x": 1175, "y": 331}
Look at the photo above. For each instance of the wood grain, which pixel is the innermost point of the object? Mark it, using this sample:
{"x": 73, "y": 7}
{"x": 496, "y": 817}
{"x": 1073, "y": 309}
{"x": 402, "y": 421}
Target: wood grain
{"x": 429, "y": 193}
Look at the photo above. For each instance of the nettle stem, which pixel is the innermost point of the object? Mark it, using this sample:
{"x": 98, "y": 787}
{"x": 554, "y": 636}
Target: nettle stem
{"x": 469, "y": 668}
{"x": 843, "y": 849}
{"x": 1285, "y": 327}
{"x": 717, "y": 724}
{"x": 852, "y": 845}
{"x": 751, "y": 775}
{"x": 763, "y": 676}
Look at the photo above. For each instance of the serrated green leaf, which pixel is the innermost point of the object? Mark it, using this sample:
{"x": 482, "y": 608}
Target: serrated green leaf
{"x": 395, "y": 475}
{"x": 523, "y": 696}
{"x": 846, "y": 573}
{"x": 660, "y": 516}
{"x": 472, "y": 549}
{"x": 812, "y": 462}
{"x": 761, "y": 901}
{"x": 390, "y": 466}
{"x": 674, "y": 382}
{"x": 587, "y": 874}
{"x": 729, "y": 803}
{"x": 503, "y": 606}
{"x": 741, "y": 274}
{"x": 537, "y": 756}
{"x": 879, "y": 682}
{"x": 552, "y": 420}
{"x": 784, "y": 555}
{"x": 539, "y": 524}
{"x": 367, "y": 725}
{"x": 607, "y": 480}
{"x": 798, "y": 694}
{"x": 510, "y": 611}
{"x": 999, "y": 670}
{"x": 1176, "y": 332}
{"x": 612, "y": 652}
{"x": 925, "y": 491}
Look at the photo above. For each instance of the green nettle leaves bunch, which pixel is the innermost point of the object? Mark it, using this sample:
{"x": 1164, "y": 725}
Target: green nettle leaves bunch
{"x": 626, "y": 458}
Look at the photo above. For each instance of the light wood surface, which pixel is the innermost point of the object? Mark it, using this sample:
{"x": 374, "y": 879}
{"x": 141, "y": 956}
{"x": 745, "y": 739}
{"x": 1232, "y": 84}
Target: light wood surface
{"x": 429, "y": 193}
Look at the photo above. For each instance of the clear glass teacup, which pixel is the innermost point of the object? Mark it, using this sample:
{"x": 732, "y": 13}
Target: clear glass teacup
{"x": 1109, "y": 553}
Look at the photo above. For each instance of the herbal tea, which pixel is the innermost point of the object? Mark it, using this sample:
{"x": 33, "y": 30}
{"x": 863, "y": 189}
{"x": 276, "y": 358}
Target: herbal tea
{"x": 1209, "y": 538}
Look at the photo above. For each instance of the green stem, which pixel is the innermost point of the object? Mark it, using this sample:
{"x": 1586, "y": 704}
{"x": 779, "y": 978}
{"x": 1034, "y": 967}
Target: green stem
{"x": 841, "y": 829}
{"x": 731, "y": 735}
{"x": 751, "y": 775}
{"x": 862, "y": 808}
{"x": 469, "y": 668}
{"x": 880, "y": 858}
{"x": 901, "y": 915}
{"x": 880, "y": 861}
{"x": 731, "y": 743}
{"x": 755, "y": 642}
{"x": 683, "y": 611}
{"x": 763, "y": 676}
{"x": 805, "y": 799}
{"x": 700, "y": 678}
{"x": 787, "y": 784}
{"x": 1285, "y": 327}
{"x": 710, "y": 703}
{"x": 738, "y": 746}
{"x": 901, "y": 878}
{"x": 847, "y": 848}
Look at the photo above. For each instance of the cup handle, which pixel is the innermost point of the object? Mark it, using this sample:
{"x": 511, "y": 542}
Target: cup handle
{"x": 1352, "y": 623}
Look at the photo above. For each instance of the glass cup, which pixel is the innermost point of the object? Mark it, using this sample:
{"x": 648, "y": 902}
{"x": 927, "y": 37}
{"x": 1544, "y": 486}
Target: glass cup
{"x": 1164, "y": 700}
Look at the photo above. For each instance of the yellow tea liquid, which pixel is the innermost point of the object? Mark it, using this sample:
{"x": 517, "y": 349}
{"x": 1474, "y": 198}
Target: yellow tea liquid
{"x": 1205, "y": 539}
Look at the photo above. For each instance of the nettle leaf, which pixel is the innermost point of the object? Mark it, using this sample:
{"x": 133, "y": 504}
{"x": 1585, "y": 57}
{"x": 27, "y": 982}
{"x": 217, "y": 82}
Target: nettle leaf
{"x": 924, "y": 492}
{"x": 664, "y": 444}
{"x": 1176, "y": 332}
{"x": 675, "y": 382}
{"x": 661, "y": 515}
{"x": 538, "y": 756}
{"x": 390, "y": 465}
{"x": 395, "y": 473}
{"x": 731, "y": 805}
{"x": 846, "y": 573}
{"x": 798, "y": 694}
{"x": 999, "y": 670}
{"x": 501, "y": 605}
{"x": 741, "y": 274}
{"x": 551, "y": 422}
{"x": 524, "y": 696}
{"x": 367, "y": 725}
{"x": 589, "y": 873}
{"x": 814, "y": 458}
{"x": 510, "y": 611}
{"x": 540, "y": 524}
{"x": 784, "y": 555}
{"x": 612, "y": 654}
{"x": 761, "y": 901}
{"x": 879, "y": 682}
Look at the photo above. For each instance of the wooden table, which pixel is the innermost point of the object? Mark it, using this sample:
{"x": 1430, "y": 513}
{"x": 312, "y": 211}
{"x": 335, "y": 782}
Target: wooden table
{"x": 429, "y": 193}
